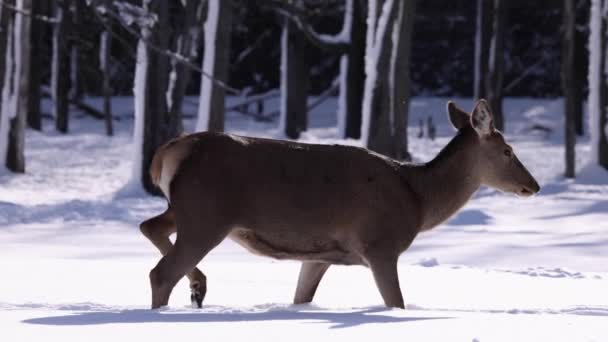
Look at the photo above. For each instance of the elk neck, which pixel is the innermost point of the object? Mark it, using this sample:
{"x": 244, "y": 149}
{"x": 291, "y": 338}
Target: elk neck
{"x": 447, "y": 182}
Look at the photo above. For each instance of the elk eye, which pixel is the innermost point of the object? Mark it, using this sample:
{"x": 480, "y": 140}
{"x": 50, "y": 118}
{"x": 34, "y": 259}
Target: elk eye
{"x": 508, "y": 153}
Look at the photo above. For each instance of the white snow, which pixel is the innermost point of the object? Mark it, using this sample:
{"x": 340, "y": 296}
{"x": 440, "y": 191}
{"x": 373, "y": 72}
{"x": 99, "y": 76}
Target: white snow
{"x": 344, "y": 35}
{"x": 172, "y": 76}
{"x": 208, "y": 65}
{"x": 373, "y": 50}
{"x": 133, "y": 14}
{"x": 393, "y": 61}
{"x": 75, "y": 266}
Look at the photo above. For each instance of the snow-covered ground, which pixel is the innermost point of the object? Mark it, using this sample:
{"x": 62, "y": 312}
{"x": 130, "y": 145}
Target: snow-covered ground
{"x": 75, "y": 267}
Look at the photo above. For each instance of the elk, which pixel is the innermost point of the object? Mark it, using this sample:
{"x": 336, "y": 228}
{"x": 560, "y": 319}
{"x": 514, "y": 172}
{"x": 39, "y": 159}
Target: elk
{"x": 318, "y": 204}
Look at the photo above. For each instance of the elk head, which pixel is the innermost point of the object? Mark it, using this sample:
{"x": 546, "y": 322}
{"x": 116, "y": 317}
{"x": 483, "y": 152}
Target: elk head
{"x": 496, "y": 163}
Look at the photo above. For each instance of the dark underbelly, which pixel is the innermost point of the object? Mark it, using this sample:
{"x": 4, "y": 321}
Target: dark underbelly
{"x": 293, "y": 247}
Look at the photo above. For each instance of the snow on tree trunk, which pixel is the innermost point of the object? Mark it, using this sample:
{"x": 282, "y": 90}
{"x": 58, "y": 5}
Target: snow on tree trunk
{"x": 598, "y": 82}
{"x": 7, "y": 109}
{"x": 184, "y": 43}
{"x": 139, "y": 93}
{"x": 494, "y": 78}
{"x": 375, "y": 128}
{"x": 294, "y": 81}
{"x": 399, "y": 80}
{"x": 15, "y": 89}
{"x": 483, "y": 32}
{"x": 215, "y": 64}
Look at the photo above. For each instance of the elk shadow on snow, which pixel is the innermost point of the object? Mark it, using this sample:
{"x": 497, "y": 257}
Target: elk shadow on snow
{"x": 470, "y": 217}
{"x": 336, "y": 319}
{"x": 596, "y": 207}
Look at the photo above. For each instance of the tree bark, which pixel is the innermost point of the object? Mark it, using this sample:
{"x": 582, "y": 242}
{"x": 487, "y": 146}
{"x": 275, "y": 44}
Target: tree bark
{"x": 105, "y": 49}
{"x": 37, "y": 38}
{"x": 157, "y": 130}
{"x": 568, "y": 83}
{"x": 294, "y": 81}
{"x": 355, "y": 74}
{"x": 61, "y": 65}
{"x": 603, "y": 93}
{"x": 187, "y": 28}
{"x": 76, "y": 51}
{"x": 211, "y": 106}
{"x": 400, "y": 74}
{"x": 494, "y": 78}
{"x": 15, "y": 158}
{"x": 379, "y": 137}
{"x": 580, "y": 79}
{"x": 483, "y": 35}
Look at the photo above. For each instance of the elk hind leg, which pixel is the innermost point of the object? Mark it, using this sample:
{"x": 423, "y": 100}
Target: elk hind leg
{"x": 308, "y": 281}
{"x": 157, "y": 230}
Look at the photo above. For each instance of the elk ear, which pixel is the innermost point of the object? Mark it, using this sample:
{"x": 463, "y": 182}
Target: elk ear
{"x": 458, "y": 117}
{"x": 482, "y": 119}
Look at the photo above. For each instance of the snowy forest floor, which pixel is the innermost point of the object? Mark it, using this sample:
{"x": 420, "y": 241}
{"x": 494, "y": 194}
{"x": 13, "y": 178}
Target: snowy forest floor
{"x": 74, "y": 265}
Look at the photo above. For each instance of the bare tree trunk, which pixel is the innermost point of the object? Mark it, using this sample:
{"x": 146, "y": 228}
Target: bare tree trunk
{"x": 580, "y": 79}
{"x": 60, "y": 83}
{"x": 15, "y": 158}
{"x": 156, "y": 130}
{"x": 76, "y": 53}
{"x": 483, "y": 35}
{"x": 294, "y": 81}
{"x": 602, "y": 148}
{"x": 105, "y": 48}
{"x": 38, "y": 34}
{"x": 400, "y": 77}
{"x": 568, "y": 83}
{"x": 6, "y": 77}
{"x": 355, "y": 75}
{"x": 216, "y": 62}
{"x": 494, "y": 80}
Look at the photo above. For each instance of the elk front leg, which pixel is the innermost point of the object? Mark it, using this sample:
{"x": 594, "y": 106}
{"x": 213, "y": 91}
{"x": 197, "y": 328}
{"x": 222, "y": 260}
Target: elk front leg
{"x": 157, "y": 230}
{"x": 308, "y": 281}
{"x": 384, "y": 269}
{"x": 171, "y": 268}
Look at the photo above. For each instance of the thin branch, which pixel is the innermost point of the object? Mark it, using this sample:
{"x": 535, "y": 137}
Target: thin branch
{"x": 172, "y": 55}
{"x": 297, "y": 16}
{"x": 118, "y": 37}
{"x": 252, "y": 99}
{"x": 524, "y": 74}
{"x": 326, "y": 94}
{"x": 43, "y": 18}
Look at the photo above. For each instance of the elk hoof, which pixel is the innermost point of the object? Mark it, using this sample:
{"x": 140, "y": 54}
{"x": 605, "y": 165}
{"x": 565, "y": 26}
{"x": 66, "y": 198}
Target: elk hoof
{"x": 196, "y": 296}
{"x": 197, "y": 300}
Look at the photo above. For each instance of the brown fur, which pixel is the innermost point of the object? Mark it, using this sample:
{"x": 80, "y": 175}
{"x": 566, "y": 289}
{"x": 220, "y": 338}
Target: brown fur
{"x": 323, "y": 204}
